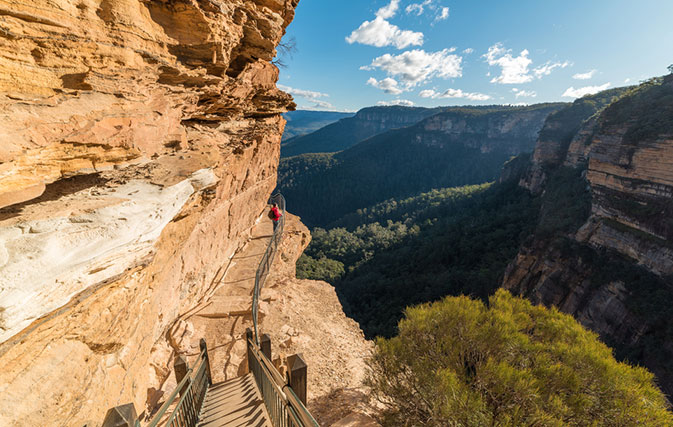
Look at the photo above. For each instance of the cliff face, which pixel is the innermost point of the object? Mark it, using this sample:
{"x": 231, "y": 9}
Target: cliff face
{"x": 139, "y": 144}
{"x": 512, "y": 132}
{"x": 609, "y": 264}
{"x": 571, "y": 126}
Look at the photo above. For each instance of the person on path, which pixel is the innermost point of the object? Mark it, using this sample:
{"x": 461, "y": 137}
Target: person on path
{"x": 275, "y": 215}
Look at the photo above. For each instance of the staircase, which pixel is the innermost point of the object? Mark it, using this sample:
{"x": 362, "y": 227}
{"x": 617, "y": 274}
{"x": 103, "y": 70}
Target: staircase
{"x": 262, "y": 397}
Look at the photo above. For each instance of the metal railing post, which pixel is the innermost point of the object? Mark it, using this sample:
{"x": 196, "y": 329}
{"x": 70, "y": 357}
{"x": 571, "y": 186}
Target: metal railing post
{"x": 265, "y": 346}
{"x": 180, "y": 367}
{"x": 121, "y": 416}
{"x": 248, "y": 340}
{"x": 204, "y": 350}
{"x": 298, "y": 374}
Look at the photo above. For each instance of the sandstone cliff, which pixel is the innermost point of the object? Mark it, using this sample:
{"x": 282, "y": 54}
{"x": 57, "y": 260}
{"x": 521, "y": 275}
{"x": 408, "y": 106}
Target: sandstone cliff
{"x": 602, "y": 250}
{"x": 139, "y": 142}
{"x": 512, "y": 131}
{"x": 568, "y": 126}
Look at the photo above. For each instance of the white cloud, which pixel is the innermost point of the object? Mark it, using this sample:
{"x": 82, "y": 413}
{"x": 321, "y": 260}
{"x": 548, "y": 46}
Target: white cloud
{"x": 585, "y": 76}
{"x": 418, "y": 8}
{"x": 524, "y": 93}
{"x": 388, "y": 85}
{"x": 402, "y": 102}
{"x": 546, "y": 69}
{"x": 319, "y": 104}
{"x": 515, "y": 70}
{"x": 380, "y": 33}
{"x": 443, "y": 14}
{"x": 417, "y": 66}
{"x": 468, "y": 51}
{"x": 310, "y": 95}
{"x": 302, "y": 93}
{"x": 389, "y": 11}
{"x": 571, "y": 92}
{"x": 454, "y": 93}
{"x": 627, "y": 80}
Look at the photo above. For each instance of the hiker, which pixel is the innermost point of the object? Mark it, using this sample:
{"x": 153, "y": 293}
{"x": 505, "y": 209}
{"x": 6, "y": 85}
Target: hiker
{"x": 275, "y": 215}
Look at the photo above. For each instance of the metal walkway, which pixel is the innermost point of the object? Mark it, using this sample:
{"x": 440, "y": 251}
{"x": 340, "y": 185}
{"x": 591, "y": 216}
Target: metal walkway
{"x": 234, "y": 403}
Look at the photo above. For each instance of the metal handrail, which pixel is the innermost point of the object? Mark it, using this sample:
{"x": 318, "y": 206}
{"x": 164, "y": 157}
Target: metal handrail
{"x": 282, "y": 404}
{"x": 192, "y": 391}
{"x": 267, "y": 260}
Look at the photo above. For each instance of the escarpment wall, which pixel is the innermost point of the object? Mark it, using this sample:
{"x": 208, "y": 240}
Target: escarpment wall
{"x": 614, "y": 270}
{"x": 139, "y": 142}
{"x": 512, "y": 132}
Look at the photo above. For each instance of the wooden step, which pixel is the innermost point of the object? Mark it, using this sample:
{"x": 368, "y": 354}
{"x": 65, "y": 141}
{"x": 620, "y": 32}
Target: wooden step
{"x": 227, "y": 306}
{"x": 234, "y": 403}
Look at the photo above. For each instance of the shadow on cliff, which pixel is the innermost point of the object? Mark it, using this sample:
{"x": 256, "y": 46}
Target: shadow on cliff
{"x": 54, "y": 191}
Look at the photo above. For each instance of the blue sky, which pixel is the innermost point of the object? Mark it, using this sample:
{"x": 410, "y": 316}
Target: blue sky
{"x": 355, "y": 53}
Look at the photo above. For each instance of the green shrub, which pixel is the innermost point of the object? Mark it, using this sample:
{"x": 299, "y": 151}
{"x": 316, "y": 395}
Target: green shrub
{"x": 458, "y": 362}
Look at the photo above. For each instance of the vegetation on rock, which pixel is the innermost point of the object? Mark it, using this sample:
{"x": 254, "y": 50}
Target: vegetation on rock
{"x": 646, "y": 109}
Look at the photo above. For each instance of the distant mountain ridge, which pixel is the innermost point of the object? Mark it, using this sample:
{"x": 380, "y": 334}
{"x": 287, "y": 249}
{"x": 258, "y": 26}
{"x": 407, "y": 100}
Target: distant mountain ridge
{"x": 347, "y": 132}
{"x": 457, "y": 147}
{"x": 303, "y": 122}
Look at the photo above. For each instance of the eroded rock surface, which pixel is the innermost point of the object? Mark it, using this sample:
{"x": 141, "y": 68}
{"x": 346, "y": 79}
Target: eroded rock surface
{"x": 139, "y": 142}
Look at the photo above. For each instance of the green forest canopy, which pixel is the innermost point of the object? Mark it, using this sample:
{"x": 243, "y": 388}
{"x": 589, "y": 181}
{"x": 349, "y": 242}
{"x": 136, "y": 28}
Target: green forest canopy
{"x": 448, "y": 241}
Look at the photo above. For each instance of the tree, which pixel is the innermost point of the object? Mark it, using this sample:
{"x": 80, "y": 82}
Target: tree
{"x": 285, "y": 50}
{"x": 670, "y": 68}
{"x": 458, "y": 362}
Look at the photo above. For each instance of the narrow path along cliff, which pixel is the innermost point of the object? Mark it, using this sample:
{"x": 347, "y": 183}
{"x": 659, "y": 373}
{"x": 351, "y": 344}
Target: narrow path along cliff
{"x": 301, "y": 316}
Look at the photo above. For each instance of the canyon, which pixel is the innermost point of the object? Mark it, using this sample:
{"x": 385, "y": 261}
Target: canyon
{"x": 349, "y": 131}
{"x": 457, "y": 146}
{"x": 140, "y": 142}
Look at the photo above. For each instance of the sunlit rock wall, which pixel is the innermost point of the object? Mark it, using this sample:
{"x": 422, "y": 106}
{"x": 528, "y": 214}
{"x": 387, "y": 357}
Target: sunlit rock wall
{"x": 139, "y": 141}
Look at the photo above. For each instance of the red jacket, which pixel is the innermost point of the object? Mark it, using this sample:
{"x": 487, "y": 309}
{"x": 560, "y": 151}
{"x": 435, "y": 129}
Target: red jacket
{"x": 276, "y": 214}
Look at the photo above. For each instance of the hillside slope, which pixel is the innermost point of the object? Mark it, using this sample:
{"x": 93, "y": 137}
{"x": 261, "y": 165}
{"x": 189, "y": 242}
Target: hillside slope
{"x": 348, "y": 132}
{"x": 453, "y": 148}
{"x": 303, "y": 122}
{"x": 409, "y": 251}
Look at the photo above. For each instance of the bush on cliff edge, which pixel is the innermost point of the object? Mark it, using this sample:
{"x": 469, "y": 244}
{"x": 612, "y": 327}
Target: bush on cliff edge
{"x": 458, "y": 362}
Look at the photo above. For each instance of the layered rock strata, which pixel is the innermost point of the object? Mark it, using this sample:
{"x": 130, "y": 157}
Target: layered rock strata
{"x": 513, "y": 131}
{"x": 615, "y": 271}
{"x": 139, "y": 142}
